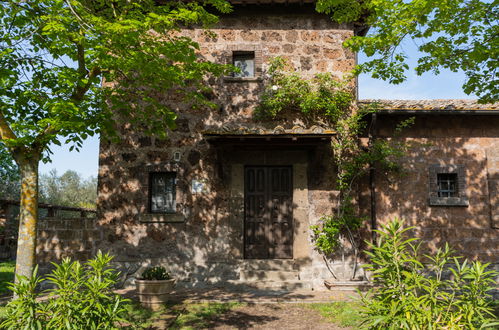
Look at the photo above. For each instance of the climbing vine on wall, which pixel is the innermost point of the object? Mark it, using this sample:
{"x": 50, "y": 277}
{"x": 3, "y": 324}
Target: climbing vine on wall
{"x": 325, "y": 99}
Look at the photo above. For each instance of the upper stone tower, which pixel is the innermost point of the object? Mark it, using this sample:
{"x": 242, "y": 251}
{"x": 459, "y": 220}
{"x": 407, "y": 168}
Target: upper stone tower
{"x": 257, "y": 31}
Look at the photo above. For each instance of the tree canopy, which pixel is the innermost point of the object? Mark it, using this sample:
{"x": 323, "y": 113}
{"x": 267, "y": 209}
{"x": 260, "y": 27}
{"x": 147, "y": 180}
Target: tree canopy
{"x": 450, "y": 34}
{"x": 56, "y": 54}
{"x": 71, "y": 68}
{"x": 68, "y": 189}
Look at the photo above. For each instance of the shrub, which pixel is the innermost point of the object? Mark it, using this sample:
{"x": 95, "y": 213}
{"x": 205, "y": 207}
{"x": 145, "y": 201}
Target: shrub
{"x": 412, "y": 291}
{"x": 81, "y": 298}
{"x": 157, "y": 273}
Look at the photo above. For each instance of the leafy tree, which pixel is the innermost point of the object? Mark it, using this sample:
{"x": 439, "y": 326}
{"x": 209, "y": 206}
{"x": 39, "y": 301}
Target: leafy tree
{"x": 71, "y": 68}
{"x": 451, "y": 34}
{"x": 69, "y": 189}
{"x": 9, "y": 176}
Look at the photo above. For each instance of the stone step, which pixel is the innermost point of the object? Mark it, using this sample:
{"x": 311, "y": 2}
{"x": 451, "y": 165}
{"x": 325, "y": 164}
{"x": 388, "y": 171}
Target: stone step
{"x": 280, "y": 285}
{"x": 268, "y": 275}
{"x": 270, "y": 264}
{"x": 347, "y": 285}
{"x": 274, "y": 285}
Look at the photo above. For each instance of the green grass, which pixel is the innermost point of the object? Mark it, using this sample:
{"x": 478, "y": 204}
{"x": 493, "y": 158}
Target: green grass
{"x": 345, "y": 314}
{"x": 175, "y": 316}
{"x": 140, "y": 317}
{"x": 195, "y": 316}
{"x": 3, "y": 312}
{"x": 6, "y": 275}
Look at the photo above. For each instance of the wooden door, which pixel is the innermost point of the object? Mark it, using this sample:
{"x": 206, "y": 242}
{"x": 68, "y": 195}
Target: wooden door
{"x": 268, "y": 212}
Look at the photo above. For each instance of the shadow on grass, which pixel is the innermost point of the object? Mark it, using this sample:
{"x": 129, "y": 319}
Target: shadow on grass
{"x": 192, "y": 316}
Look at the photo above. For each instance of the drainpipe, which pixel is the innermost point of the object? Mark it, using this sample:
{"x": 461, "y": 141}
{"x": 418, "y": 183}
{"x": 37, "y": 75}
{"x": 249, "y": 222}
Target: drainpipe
{"x": 372, "y": 178}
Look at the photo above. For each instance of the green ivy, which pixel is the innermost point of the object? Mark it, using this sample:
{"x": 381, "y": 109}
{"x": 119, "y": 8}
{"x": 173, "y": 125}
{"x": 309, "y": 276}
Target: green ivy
{"x": 327, "y": 234}
{"x": 322, "y": 97}
{"x": 325, "y": 99}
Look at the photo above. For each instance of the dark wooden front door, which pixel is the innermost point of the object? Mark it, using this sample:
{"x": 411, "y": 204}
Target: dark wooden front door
{"x": 268, "y": 212}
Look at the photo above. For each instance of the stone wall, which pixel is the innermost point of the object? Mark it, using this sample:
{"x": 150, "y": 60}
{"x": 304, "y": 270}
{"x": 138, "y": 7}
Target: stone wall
{"x": 202, "y": 243}
{"x": 469, "y": 142}
{"x": 59, "y": 238}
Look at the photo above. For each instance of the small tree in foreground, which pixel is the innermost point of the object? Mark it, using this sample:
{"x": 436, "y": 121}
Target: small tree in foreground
{"x": 69, "y": 68}
{"x": 424, "y": 292}
{"x": 81, "y": 298}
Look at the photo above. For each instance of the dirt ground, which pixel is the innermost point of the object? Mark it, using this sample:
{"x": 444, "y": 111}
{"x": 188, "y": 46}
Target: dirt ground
{"x": 272, "y": 316}
{"x": 260, "y": 316}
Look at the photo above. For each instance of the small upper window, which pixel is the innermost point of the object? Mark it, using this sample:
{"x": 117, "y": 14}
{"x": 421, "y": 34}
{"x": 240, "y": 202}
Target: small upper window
{"x": 245, "y": 61}
{"x": 162, "y": 192}
{"x": 447, "y": 184}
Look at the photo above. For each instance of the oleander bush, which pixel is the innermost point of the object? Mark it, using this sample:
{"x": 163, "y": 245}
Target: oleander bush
{"x": 81, "y": 297}
{"x": 414, "y": 291}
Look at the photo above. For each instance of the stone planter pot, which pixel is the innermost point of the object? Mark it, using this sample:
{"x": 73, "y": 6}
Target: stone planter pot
{"x": 154, "y": 293}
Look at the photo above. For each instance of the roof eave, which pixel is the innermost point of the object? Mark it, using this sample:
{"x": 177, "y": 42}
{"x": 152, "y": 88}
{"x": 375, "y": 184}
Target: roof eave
{"x": 437, "y": 112}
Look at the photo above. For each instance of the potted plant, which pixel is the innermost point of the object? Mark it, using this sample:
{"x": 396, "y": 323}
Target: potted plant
{"x": 154, "y": 286}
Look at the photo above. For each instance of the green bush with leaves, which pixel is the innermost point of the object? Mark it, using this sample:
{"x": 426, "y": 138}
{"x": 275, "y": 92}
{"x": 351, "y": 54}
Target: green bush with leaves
{"x": 156, "y": 273}
{"x": 414, "y": 291}
{"x": 321, "y": 98}
{"x": 81, "y": 297}
{"x": 327, "y": 233}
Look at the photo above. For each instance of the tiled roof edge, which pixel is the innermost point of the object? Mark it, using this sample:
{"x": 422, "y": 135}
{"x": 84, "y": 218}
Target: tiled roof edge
{"x": 432, "y": 105}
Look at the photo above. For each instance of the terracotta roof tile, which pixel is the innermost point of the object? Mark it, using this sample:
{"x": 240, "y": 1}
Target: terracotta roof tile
{"x": 437, "y": 105}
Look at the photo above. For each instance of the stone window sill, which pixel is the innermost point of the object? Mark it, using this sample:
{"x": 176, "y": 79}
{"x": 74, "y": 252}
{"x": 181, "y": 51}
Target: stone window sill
{"x": 162, "y": 217}
{"x": 243, "y": 79}
{"x": 449, "y": 201}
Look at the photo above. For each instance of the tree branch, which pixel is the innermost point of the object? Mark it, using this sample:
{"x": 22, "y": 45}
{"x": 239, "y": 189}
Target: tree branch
{"x": 80, "y": 91}
{"x": 82, "y": 68}
{"x": 5, "y": 130}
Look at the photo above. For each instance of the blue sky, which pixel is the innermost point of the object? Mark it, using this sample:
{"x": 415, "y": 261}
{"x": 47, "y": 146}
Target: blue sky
{"x": 447, "y": 85}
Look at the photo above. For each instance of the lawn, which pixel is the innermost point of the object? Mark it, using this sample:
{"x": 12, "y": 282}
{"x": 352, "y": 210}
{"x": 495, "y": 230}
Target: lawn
{"x": 345, "y": 314}
{"x": 6, "y": 275}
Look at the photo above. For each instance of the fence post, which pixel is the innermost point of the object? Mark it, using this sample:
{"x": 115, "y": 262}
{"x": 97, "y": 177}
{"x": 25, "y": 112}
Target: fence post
{"x": 50, "y": 212}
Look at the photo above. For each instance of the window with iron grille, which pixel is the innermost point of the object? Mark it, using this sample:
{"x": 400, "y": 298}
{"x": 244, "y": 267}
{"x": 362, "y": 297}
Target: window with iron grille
{"x": 162, "y": 186}
{"x": 245, "y": 61}
{"x": 447, "y": 185}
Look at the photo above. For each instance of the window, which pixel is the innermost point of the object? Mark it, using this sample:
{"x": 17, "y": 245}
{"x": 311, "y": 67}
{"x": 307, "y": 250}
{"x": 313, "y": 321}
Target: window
{"x": 447, "y": 184}
{"x": 245, "y": 61}
{"x": 162, "y": 192}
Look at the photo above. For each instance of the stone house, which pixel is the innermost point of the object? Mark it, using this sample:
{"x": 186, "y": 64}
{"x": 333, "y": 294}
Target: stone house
{"x": 227, "y": 199}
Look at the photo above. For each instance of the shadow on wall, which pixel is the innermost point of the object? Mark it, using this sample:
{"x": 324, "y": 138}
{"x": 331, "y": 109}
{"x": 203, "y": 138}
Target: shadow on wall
{"x": 443, "y": 140}
{"x": 204, "y": 249}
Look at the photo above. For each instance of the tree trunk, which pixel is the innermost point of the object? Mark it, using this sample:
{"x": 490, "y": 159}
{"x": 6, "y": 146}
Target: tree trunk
{"x": 28, "y": 218}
